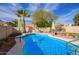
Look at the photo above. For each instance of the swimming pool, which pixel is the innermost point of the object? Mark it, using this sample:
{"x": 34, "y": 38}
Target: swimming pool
{"x": 41, "y": 44}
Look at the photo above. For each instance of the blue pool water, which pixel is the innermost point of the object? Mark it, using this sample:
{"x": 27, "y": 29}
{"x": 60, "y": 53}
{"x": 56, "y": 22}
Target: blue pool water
{"x": 40, "y": 44}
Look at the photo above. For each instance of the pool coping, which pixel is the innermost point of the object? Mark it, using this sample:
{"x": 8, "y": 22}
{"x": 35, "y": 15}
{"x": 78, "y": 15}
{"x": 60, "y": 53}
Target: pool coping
{"x": 65, "y": 39}
{"x": 17, "y": 48}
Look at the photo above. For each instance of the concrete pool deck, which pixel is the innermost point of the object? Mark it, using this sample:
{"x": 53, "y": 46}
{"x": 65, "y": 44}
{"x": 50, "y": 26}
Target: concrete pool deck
{"x": 74, "y": 41}
{"x": 17, "y": 49}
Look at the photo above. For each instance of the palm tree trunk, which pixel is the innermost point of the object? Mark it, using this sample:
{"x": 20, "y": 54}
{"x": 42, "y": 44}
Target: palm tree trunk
{"x": 24, "y": 27}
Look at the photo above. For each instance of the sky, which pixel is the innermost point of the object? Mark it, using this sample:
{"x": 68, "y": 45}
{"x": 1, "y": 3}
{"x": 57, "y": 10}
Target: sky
{"x": 64, "y": 11}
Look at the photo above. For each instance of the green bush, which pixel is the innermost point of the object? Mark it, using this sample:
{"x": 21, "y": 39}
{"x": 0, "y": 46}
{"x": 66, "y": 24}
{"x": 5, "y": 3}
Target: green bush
{"x": 14, "y": 23}
{"x": 43, "y": 23}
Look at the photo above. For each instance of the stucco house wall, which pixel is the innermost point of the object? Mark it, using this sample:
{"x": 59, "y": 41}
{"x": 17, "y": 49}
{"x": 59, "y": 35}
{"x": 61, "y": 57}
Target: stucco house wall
{"x": 2, "y": 22}
{"x": 6, "y": 31}
{"x": 72, "y": 29}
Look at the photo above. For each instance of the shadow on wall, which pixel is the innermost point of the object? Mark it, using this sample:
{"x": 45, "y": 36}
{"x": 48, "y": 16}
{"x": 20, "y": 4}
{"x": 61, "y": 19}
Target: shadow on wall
{"x": 6, "y": 31}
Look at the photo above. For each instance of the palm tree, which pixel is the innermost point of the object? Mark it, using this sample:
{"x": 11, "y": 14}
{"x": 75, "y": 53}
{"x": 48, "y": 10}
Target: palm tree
{"x": 22, "y": 14}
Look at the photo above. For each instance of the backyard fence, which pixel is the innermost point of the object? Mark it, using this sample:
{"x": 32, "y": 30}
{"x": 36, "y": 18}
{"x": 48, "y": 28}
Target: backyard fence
{"x": 7, "y": 38}
{"x": 72, "y": 29}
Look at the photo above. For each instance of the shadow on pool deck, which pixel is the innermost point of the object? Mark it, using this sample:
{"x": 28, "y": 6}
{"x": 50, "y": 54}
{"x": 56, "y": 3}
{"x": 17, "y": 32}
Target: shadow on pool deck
{"x": 17, "y": 49}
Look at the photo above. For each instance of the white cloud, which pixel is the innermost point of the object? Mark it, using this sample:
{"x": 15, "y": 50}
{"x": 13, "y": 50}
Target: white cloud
{"x": 5, "y": 15}
{"x": 73, "y": 12}
{"x": 51, "y": 7}
{"x": 67, "y": 18}
{"x": 8, "y": 12}
{"x": 7, "y": 9}
{"x": 33, "y": 7}
{"x": 17, "y": 6}
{"x": 48, "y": 7}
